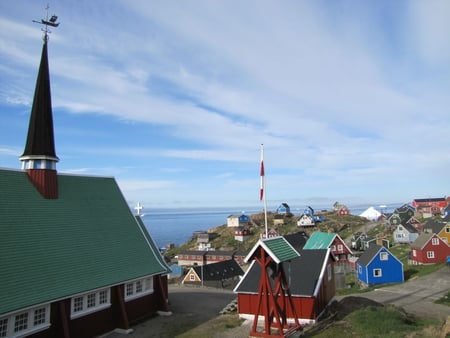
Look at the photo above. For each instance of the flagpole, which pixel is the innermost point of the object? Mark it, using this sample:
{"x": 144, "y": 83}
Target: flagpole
{"x": 262, "y": 193}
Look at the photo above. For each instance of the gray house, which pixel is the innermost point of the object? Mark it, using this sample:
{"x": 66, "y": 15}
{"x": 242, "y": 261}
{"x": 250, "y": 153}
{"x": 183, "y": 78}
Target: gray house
{"x": 405, "y": 234}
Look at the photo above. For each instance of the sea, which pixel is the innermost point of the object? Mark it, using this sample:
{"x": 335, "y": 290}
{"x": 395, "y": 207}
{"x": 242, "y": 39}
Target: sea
{"x": 177, "y": 225}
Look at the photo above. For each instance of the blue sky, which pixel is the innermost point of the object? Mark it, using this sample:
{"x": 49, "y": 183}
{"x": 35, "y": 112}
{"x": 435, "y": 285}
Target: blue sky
{"x": 173, "y": 98}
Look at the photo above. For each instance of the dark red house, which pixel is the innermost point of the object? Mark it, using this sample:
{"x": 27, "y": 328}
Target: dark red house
{"x": 429, "y": 248}
{"x": 312, "y": 285}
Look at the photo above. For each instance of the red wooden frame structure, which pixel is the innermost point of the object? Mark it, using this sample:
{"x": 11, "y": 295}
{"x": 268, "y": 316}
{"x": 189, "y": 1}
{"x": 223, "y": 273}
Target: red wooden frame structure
{"x": 274, "y": 304}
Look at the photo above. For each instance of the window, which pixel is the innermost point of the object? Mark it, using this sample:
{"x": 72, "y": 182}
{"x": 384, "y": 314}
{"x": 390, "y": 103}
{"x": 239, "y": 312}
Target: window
{"x": 103, "y": 297}
{"x": 359, "y": 268}
{"x": 138, "y": 288}
{"x": 414, "y": 253}
{"x": 82, "y": 305}
{"x": 3, "y": 327}
{"x": 340, "y": 247}
{"x": 21, "y": 322}
{"x": 384, "y": 256}
{"x": 435, "y": 241}
{"x": 26, "y": 322}
{"x": 91, "y": 300}
{"x": 377, "y": 273}
{"x": 430, "y": 254}
{"x": 77, "y": 304}
{"x": 191, "y": 277}
{"x": 447, "y": 230}
{"x": 39, "y": 316}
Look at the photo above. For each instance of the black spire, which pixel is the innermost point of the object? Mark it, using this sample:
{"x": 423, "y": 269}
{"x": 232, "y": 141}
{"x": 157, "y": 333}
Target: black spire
{"x": 40, "y": 140}
{"x": 39, "y": 158}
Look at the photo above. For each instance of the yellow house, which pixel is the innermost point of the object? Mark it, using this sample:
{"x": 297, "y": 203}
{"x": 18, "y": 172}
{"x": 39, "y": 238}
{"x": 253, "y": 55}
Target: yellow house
{"x": 445, "y": 233}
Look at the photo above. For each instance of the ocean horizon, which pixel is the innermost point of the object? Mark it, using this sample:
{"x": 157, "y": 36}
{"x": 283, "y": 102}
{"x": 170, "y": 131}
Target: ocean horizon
{"x": 177, "y": 225}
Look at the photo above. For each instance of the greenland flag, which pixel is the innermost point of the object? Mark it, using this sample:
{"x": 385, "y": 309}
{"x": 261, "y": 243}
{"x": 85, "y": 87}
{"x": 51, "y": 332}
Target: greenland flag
{"x": 261, "y": 189}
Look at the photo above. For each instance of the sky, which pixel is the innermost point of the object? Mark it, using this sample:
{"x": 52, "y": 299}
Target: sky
{"x": 351, "y": 99}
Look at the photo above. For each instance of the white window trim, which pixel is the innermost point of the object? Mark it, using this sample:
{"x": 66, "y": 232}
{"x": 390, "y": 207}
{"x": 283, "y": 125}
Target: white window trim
{"x": 430, "y": 254}
{"x": 435, "y": 241}
{"x": 379, "y": 275}
{"x": 85, "y": 310}
{"x": 384, "y": 256}
{"x": 31, "y": 328}
{"x": 147, "y": 288}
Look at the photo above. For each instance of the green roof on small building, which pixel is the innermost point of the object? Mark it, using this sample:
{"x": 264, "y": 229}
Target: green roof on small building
{"x": 86, "y": 239}
{"x": 276, "y": 247}
{"x": 320, "y": 240}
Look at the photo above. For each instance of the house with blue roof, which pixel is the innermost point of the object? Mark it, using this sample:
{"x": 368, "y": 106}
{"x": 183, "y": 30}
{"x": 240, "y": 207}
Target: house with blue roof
{"x": 379, "y": 266}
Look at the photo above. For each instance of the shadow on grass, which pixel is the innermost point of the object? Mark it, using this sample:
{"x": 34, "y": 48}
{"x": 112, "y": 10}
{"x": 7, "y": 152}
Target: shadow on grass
{"x": 410, "y": 273}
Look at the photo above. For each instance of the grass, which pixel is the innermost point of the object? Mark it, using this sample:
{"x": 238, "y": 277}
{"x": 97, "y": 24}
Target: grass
{"x": 213, "y": 327}
{"x": 444, "y": 300}
{"x": 387, "y": 321}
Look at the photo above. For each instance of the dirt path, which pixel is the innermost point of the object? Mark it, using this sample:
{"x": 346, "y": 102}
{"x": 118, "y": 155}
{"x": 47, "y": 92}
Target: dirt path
{"x": 417, "y": 296}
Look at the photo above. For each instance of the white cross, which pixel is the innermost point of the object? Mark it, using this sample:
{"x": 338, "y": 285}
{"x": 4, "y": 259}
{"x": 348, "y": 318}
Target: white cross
{"x": 138, "y": 208}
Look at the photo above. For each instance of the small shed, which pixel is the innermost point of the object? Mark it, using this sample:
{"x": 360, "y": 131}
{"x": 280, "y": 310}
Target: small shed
{"x": 223, "y": 274}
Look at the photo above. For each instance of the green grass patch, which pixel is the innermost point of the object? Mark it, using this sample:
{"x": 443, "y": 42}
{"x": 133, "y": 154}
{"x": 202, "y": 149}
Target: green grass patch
{"x": 213, "y": 327}
{"x": 444, "y": 300}
{"x": 388, "y": 321}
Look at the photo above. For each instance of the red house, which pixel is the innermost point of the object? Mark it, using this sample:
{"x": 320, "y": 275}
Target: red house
{"x": 428, "y": 248}
{"x": 430, "y": 206}
{"x": 340, "y": 250}
{"x": 312, "y": 285}
{"x": 343, "y": 211}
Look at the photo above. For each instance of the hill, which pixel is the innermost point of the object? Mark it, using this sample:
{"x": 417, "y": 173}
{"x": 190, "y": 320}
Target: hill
{"x": 343, "y": 225}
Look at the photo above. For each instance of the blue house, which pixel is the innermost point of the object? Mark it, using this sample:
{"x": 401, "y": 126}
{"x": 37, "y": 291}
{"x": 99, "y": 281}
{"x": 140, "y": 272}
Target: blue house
{"x": 378, "y": 266}
{"x": 284, "y": 209}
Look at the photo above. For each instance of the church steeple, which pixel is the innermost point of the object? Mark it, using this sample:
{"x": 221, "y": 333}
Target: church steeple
{"x": 39, "y": 157}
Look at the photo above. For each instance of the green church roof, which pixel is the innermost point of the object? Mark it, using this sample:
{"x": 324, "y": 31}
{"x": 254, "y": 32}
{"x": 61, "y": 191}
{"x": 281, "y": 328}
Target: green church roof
{"x": 54, "y": 248}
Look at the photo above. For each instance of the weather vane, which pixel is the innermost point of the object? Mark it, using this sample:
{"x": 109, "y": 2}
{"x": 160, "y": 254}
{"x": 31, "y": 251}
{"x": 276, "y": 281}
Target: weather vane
{"x": 48, "y": 22}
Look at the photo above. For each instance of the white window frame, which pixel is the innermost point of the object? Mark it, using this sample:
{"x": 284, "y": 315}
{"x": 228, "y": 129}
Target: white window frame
{"x": 384, "y": 256}
{"x": 138, "y": 288}
{"x": 340, "y": 247}
{"x": 8, "y": 327}
{"x": 90, "y": 302}
{"x": 430, "y": 254}
{"x": 435, "y": 241}
{"x": 377, "y": 272}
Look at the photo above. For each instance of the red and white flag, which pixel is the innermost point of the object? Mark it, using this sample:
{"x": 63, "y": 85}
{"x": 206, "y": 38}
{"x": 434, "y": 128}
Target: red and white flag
{"x": 261, "y": 190}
